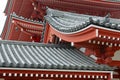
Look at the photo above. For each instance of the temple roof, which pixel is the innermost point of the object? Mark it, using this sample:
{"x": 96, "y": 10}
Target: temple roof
{"x": 15, "y": 54}
{"x": 67, "y": 22}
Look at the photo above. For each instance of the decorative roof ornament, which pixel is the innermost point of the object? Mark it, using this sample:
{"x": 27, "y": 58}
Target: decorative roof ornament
{"x": 107, "y": 18}
{"x": 14, "y": 15}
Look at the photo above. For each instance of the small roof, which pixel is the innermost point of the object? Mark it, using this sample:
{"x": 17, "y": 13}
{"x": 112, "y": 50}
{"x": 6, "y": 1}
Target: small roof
{"x": 67, "y": 22}
{"x": 15, "y": 54}
{"x": 14, "y": 15}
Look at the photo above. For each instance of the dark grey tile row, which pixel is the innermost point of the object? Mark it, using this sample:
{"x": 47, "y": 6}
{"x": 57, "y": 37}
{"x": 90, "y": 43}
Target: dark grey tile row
{"x": 26, "y": 19}
{"x": 70, "y": 22}
{"x": 42, "y": 56}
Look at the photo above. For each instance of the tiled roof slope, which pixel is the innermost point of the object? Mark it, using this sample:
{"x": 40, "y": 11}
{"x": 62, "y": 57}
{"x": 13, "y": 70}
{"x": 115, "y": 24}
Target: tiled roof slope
{"x": 45, "y": 56}
{"x": 71, "y": 22}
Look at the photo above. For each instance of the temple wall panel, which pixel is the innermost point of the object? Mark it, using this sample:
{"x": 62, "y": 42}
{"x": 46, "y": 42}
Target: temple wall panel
{"x": 16, "y": 32}
{"x": 24, "y": 36}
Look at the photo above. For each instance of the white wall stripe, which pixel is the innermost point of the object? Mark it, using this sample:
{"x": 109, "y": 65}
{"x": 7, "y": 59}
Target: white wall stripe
{"x": 21, "y": 74}
{"x": 107, "y": 43}
{"x": 88, "y": 76}
{"x": 4, "y": 74}
{"x": 51, "y": 75}
{"x": 42, "y": 75}
{"x": 109, "y": 37}
{"x": 75, "y": 76}
{"x": 89, "y": 41}
{"x": 105, "y": 77}
{"x": 31, "y": 75}
{"x": 115, "y": 44}
{"x": 36, "y": 75}
{"x": 66, "y": 76}
{"x": 26, "y": 75}
{"x": 47, "y": 75}
{"x": 94, "y": 42}
{"x": 97, "y": 76}
{"x": 113, "y": 38}
{"x": 99, "y": 36}
{"x": 97, "y": 33}
{"x": 10, "y": 74}
{"x": 93, "y": 76}
{"x": 56, "y": 75}
{"x": 80, "y": 76}
{"x": 118, "y": 39}
{"x": 104, "y": 36}
{"x": 103, "y": 43}
{"x": 71, "y": 76}
{"x": 84, "y": 76}
{"x": 15, "y": 74}
{"x": 101, "y": 76}
{"x": 98, "y": 42}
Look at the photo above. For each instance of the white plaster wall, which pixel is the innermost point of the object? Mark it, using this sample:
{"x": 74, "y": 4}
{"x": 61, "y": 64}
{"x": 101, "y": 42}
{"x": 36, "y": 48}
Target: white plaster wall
{"x": 116, "y": 55}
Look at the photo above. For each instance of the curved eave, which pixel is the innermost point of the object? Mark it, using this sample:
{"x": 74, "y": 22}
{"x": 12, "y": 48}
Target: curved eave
{"x": 23, "y": 24}
{"x": 88, "y": 33}
{"x": 87, "y": 27}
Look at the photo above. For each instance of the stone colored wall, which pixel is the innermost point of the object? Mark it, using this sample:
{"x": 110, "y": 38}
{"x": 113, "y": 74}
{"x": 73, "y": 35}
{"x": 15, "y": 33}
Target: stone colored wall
{"x": 116, "y": 55}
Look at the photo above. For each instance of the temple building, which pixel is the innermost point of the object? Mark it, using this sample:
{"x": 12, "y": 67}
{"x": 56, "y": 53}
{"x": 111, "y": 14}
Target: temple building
{"x": 44, "y": 40}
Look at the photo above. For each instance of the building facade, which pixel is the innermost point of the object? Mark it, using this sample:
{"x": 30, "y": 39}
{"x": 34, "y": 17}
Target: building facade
{"x": 41, "y": 40}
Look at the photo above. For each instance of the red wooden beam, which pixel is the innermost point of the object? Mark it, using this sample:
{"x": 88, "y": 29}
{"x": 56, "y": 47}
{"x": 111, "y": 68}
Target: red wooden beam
{"x": 101, "y": 3}
{"x": 54, "y": 74}
{"x": 79, "y": 4}
{"x": 115, "y": 63}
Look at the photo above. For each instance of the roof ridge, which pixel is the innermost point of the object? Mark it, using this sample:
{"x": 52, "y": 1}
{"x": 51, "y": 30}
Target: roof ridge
{"x": 14, "y": 15}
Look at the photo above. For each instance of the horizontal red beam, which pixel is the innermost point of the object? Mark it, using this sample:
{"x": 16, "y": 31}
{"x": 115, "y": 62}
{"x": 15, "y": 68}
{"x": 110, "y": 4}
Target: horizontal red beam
{"x": 115, "y": 63}
{"x": 87, "y": 5}
{"x": 101, "y": 3}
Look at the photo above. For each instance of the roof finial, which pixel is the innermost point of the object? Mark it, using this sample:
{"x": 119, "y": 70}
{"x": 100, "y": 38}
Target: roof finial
{"x": 107, "y": 18}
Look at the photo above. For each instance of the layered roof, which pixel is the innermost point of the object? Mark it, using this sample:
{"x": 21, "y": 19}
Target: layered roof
{"x": 71, "y": 22}
{"x": 42, "y": 56}
{"x": 15, "y": 23}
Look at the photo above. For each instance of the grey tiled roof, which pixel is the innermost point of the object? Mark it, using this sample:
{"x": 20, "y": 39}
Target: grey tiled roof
{"x": 71, "y": 22}
{"x": 45, "y": 56}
